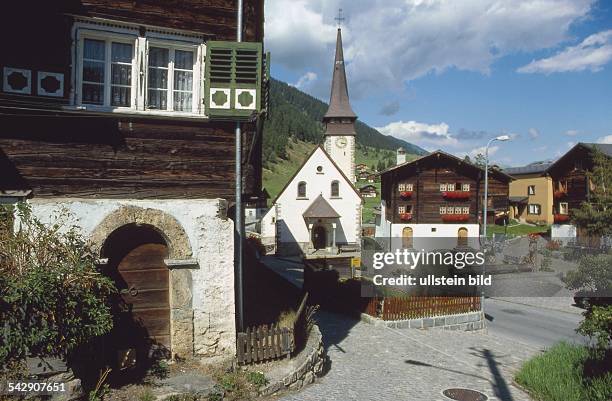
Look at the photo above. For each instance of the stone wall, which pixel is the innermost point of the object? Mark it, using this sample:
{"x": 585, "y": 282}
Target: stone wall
{"x": 200, "y": 240}
{"x": 303, "y": 368}
{"x": 463, "y": 321}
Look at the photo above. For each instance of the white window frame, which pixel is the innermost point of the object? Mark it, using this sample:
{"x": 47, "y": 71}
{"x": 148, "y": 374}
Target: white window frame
{"x": 465, "y": 187}
{"x": 409, "y": 187}
{"x": 450, "y": 187}
{"x": 537, "y": 209}
{"x": 458, "y": 210}
{"x": 401, "y": 187}
{"x": 563, "y": 208}
{"x": 443, "y": 188}
{"x": 530, "y": 189}
{"x": 442, "y": 209}
{"x": 401, "y": 209}
{"x": 466, "y": 210}
{"x": 450, "y": 210}
{"x": 85, "y": 28}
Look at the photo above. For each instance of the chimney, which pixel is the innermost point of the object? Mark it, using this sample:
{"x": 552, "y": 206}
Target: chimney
{"x": 401, "y": 156}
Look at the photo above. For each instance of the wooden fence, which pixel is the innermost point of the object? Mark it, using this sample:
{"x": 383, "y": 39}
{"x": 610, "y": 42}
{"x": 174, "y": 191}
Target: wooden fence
{"x": 400, "y": 308}
{"x": 266, "y": 342}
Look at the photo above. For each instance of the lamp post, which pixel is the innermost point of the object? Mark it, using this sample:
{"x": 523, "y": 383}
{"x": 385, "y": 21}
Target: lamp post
{"x": 486, "y": 186}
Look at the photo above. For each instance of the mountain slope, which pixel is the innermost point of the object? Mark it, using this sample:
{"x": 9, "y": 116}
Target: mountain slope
{"x": 298, "y": 115}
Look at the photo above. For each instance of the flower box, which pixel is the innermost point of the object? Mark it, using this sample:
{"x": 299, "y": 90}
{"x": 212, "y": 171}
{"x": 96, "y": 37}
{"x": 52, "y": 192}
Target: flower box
{"x": 455, "y": 217}
{"x": 405, "y": 216}
{"x": 561, "y": 218}
{"x": 559, "y": 194}
{"x": 406, "y": 194}
{"x": 457, "y": 195}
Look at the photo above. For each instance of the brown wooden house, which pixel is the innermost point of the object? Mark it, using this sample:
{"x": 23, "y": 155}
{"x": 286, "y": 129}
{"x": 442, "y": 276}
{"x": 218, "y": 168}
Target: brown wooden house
{"x": 438, "y": 195}
{"x": 571, "y": 186}
{"x": 123, "y": 112}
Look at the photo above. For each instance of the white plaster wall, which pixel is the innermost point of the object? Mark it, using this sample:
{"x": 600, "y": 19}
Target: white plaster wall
{"x": 291, "y": 208}
{"x": 563, "y": 232}
{"x": 343, "y": 157}
{"x": 212, "y": 243}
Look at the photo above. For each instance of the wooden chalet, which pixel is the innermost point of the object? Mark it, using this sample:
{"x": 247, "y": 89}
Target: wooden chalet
{"x": 124, "y": 112}
{"x": 368, "y": 191}
{"x": 438, "y": 190}
{"x": 571, "y": 185}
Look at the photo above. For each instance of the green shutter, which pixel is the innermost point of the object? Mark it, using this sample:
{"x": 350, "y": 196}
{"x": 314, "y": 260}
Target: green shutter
{"x": 233, "y": 84}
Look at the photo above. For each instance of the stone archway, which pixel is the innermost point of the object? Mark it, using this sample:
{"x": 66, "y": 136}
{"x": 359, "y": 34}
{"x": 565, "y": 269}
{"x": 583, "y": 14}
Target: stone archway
{"x": 179, "y": 262}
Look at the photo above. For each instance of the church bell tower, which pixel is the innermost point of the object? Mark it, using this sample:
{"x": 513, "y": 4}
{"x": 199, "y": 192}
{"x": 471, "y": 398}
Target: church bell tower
{"x": 339, "y": 120}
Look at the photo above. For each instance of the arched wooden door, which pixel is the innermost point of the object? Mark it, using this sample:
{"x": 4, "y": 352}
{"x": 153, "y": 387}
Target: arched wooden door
{"x": 407, "y": 239}
{"x": 319, "y": 237}
{"x": 142, "y": 307}
{"x": 462, "y": 237}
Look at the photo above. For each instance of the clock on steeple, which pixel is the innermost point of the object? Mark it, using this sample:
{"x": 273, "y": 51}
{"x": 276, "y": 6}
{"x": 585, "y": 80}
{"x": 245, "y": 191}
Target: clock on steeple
{"x": 339, "y": 120}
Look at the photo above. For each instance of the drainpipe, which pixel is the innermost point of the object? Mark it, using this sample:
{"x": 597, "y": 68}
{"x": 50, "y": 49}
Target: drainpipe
{"x": 239, "y": 224}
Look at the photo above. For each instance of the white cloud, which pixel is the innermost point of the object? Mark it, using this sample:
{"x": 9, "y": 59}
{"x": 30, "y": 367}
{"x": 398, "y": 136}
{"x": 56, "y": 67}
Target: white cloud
{"x": 306, "y": 80}
{"x": 605, "y": 139}
{"x": 592, "y": 54}
{"x": 533, "y": 133}
{"x": 390, "y": 42}
{"x": 572, "y": 132}
{"x": 430, "y": 136}
{"x": 481, "y": 151}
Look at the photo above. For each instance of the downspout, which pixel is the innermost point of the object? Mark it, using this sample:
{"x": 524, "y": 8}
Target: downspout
{"x": 239, "y": 223}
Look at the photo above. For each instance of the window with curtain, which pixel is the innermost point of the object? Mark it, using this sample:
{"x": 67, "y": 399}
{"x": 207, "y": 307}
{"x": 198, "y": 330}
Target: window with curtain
{"x": 157, "y": 93}
{"x": 170, "y": 84}
{"x": 106, "y": 78}
{"x": 335, "y": 189}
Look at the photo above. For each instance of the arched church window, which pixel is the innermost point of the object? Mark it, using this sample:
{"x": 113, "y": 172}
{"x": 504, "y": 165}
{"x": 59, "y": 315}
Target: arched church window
{"x": 335, "y": 188}
{"x": 301, "y": 189}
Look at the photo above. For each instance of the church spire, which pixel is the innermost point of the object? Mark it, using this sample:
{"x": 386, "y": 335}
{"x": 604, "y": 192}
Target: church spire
{"x": 339, "y": 105}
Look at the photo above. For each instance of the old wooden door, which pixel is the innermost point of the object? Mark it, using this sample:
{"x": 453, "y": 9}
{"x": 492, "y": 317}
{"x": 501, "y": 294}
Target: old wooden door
{"x": 319, "y": 237}
{"x": 145, "y": 292}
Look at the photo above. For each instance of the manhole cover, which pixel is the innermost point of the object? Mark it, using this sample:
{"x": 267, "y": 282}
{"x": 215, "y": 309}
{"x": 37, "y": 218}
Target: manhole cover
{"x": 464, "y": 394}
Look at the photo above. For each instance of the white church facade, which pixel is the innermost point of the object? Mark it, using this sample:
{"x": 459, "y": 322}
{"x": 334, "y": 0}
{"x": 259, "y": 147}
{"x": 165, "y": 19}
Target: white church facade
{"x": 318, "y": 212}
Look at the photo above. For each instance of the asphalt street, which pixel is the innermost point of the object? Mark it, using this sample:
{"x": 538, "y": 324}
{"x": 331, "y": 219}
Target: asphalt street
{"x": 535, "y": 326}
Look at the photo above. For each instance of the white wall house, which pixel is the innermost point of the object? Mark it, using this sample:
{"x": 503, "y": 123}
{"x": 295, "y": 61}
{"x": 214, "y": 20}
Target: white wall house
{"x": 319, "y": 208}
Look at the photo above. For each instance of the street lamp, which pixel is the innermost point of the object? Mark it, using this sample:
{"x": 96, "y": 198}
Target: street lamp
{"x": 486, "y": 186}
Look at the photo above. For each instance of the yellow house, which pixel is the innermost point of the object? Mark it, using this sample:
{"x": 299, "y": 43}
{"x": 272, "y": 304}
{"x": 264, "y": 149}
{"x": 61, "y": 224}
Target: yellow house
{"x": 531, "y": 193}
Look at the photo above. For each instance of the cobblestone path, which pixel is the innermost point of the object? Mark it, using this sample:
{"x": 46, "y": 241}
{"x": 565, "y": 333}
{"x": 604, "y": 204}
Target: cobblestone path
{"x": 379, "y": 363}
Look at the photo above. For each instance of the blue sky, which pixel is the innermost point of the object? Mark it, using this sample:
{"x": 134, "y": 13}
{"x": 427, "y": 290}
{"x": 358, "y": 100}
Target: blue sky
{"x": 449, "y": 75}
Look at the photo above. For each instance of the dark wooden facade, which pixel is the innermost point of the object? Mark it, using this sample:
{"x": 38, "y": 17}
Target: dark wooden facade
{"x": 424, "y": 202}
{"x": 569, "y": 175}
{"x": 59, "y": 152}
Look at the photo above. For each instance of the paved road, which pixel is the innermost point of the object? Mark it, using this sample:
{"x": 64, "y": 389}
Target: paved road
{"x": 378, "y": 363}
{"x": 535, "y": 326}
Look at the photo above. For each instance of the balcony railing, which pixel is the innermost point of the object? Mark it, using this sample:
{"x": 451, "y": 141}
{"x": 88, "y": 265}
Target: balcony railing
{"x": 406, "y": 194}
{"x": 405, "y": 216}
{"x": 561, "y": 218}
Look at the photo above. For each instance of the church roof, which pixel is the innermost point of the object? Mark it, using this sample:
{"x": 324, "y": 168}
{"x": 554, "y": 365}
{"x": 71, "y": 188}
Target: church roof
{"x": 339, "y": 105}
{"x": 320, "y": 208}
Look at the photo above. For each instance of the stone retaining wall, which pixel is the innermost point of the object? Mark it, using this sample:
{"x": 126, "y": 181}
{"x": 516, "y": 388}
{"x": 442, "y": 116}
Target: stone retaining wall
{"x": 463, "y": 321}
{"x": 304, "y": 368}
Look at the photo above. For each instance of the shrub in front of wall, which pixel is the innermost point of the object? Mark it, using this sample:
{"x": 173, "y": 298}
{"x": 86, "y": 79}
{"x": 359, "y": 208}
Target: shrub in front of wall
{"x": 52, "y": 296}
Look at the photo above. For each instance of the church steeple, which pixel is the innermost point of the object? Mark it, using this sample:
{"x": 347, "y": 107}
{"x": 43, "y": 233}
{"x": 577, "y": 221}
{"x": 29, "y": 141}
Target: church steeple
{"x": 339, "y": 104}
{"x": 339, "y": 120}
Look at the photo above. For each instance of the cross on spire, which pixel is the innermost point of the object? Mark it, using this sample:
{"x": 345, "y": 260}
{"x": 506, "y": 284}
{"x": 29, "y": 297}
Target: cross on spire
{"x": 339, "y": 18}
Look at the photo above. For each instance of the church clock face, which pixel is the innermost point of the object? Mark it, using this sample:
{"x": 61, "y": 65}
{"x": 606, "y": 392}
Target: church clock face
{"x": 341, "y": 142}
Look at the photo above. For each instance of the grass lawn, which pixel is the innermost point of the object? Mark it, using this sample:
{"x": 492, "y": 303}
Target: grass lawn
{"x": 558, "y": 375}
{"x": 367, "y": 214}
{"x": 517, "y": 230}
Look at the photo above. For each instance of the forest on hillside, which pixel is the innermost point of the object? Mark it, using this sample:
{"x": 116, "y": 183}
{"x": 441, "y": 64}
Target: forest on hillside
{"x": 295, "y": 114}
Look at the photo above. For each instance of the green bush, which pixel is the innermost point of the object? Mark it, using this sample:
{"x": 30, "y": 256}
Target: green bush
{"x": 257, "y": 379}
{"x": 52, "y": 297}
{"x": 597, "y": 325}
{"x": 594, "y": 273}
{"x": 561, "y": 374}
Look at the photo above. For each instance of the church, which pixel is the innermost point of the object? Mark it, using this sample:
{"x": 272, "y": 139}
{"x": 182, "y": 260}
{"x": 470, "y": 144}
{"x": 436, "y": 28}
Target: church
{"x": 318, "y": 212}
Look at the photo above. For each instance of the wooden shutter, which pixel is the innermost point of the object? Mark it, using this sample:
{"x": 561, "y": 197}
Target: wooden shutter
{"x": 233, "y": 82}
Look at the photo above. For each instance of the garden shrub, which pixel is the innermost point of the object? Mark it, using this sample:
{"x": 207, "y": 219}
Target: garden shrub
{"x": 52, "y": 296}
